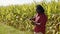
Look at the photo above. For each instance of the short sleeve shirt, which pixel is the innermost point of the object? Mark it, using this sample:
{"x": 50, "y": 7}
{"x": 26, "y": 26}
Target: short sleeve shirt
{"x": 42, "y": 19}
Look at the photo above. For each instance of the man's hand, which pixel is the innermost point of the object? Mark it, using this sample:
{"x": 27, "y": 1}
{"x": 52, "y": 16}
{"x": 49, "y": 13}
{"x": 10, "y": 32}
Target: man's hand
{"x": 36, "y": 23}
{"x": 31, "y": 18}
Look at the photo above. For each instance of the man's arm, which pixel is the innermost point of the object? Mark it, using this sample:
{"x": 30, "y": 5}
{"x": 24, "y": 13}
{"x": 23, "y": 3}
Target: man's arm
{"x": 33, "y": 18}
{"x": 36, "y": 23}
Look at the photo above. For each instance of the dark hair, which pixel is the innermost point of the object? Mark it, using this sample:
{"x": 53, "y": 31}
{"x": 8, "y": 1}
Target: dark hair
{"x": 40, "y": 9}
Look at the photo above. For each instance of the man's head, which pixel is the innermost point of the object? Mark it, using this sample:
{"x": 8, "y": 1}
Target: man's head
{"x": 39, "y": 9}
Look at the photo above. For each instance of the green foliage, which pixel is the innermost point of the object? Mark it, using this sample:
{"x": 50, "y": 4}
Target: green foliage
{"x": 18, "y": 16}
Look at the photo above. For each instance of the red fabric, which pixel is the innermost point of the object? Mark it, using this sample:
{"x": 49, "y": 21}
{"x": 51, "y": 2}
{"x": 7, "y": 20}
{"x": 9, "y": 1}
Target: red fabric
{"x": 42, "y": 19}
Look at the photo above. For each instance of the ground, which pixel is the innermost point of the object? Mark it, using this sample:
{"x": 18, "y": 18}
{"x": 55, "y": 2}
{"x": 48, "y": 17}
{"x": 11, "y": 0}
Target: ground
{"x": 4, "y": 29}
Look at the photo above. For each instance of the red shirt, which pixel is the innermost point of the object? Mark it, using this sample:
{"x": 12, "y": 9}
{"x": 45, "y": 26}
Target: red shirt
{"x": 42, "y": 19}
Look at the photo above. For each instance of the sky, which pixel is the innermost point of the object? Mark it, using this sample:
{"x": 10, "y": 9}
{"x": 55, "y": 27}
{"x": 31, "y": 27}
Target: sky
{"x": 14, "y": 2}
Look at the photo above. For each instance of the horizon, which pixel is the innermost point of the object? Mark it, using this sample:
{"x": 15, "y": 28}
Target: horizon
{"x": 18, "y": 2}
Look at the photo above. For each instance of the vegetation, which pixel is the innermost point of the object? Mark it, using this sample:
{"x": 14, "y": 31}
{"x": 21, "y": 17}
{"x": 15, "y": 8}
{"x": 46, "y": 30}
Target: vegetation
{"x": 18, "y": 16}
{"x": 5, "y": 29}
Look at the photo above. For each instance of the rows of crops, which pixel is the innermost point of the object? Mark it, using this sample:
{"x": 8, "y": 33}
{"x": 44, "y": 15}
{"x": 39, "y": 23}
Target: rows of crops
{"x": 18, "y": 16}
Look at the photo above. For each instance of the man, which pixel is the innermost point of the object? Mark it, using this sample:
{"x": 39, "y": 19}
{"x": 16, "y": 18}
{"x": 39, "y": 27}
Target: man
{"x": 39, "y": 20}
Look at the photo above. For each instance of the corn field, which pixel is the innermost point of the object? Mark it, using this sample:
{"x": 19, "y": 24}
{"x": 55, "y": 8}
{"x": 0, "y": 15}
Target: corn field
{"x": 18, "y": 16}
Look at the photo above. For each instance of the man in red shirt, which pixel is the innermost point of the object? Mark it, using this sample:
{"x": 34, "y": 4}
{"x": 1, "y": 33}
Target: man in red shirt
{"x": 40, "y": 20}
